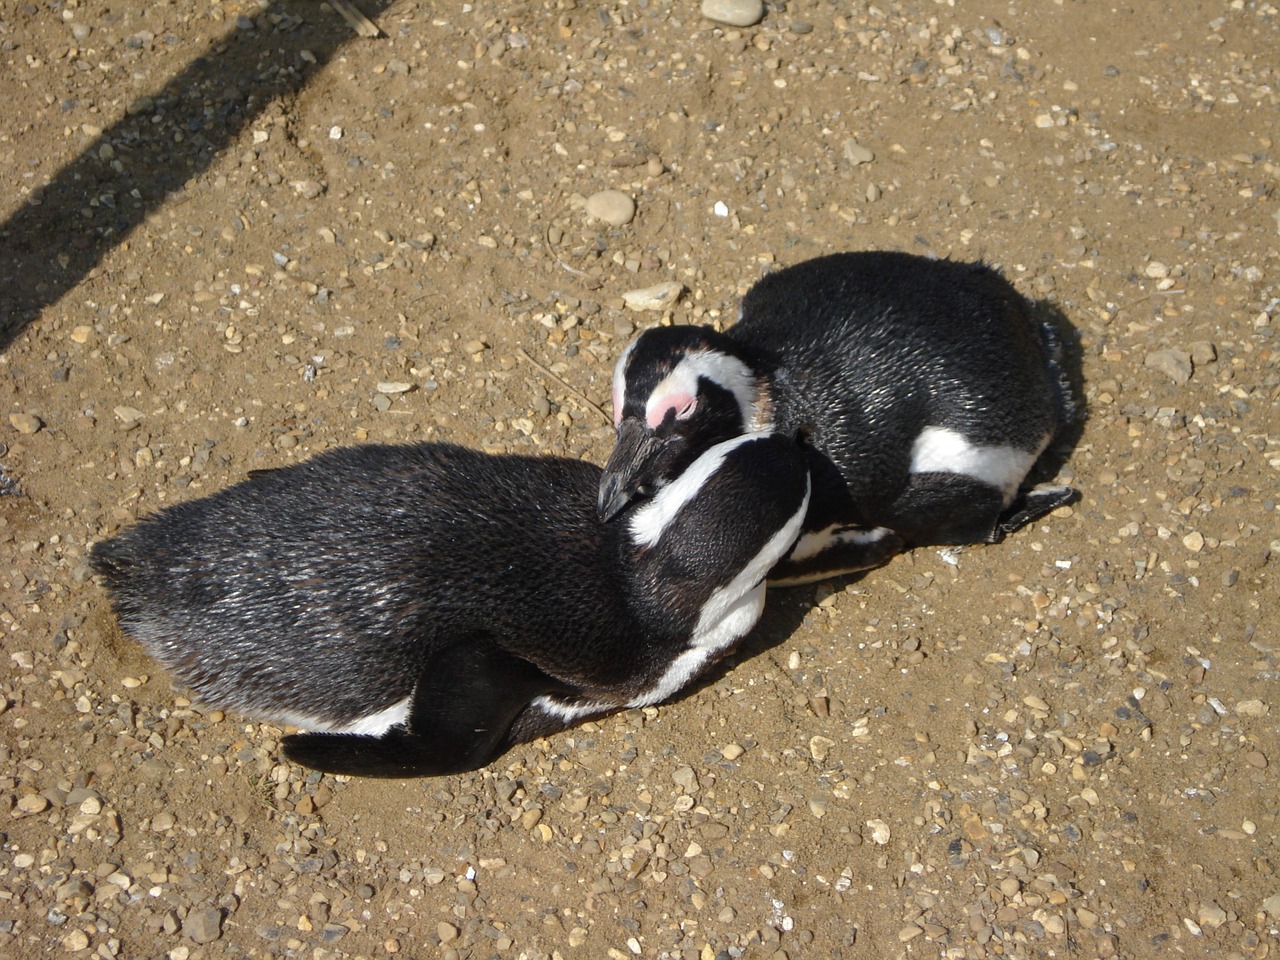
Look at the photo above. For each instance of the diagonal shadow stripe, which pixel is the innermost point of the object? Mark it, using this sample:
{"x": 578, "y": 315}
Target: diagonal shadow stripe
{"x": 49, "y": 246}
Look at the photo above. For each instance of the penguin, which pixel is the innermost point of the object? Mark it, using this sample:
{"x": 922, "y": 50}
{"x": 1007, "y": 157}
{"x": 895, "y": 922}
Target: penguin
{"x": 924, "y": 392}
{"x": 418, "y": 609}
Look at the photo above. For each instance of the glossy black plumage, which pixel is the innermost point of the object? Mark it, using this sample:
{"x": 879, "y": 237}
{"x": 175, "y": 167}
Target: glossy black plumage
{"x": 461, "y": 586}
{"x": 890, "y": 366}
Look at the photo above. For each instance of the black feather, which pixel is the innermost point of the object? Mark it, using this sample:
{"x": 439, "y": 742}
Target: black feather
{"x": 337, "y": 588}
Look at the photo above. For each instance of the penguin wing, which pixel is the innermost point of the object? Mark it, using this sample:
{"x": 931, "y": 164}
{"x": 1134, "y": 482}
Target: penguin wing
{"x": 465, "y": 701}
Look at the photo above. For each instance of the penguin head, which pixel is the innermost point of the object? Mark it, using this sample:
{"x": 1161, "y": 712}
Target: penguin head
{"x": 677, "y": 392}
{"x": 709, "y": 538}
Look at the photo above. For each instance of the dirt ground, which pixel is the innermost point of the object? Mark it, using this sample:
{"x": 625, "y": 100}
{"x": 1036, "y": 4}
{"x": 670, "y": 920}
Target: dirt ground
{"x": 234, "y": 234}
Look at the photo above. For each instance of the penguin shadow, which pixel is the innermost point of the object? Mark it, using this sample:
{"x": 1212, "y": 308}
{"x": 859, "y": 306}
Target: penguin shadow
{"x": 785, "y": 611}
{"x": 138, "y": 162}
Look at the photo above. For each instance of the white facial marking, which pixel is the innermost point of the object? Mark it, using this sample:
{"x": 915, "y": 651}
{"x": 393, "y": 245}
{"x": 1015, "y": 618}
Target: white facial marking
{"x": 938, "y": 450}
{"x": 620, "y": 382}
{"x": 650, "y": 521}
{"x": 729, "y": 614}
{"x": 819, "y": 541}
{"x": 373, "y": 725}
{"x": 680, "y": 384}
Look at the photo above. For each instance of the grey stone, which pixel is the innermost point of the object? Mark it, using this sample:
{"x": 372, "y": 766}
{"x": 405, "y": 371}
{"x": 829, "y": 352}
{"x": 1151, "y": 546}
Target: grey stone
{"x": 1175, "y": 364}
{"x": 203, "y": 925}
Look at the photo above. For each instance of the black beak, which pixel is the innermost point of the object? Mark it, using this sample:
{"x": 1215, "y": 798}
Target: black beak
{"x": 628, "y": 468}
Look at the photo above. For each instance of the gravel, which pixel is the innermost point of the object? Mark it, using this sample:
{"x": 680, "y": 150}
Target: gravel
{"x": 1059, "y": 745}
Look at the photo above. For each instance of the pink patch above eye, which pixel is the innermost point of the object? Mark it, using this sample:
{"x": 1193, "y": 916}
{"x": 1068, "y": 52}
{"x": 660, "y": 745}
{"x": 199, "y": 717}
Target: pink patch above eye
{"x": 617, "y": 408}
{"x": 679, "y": 403}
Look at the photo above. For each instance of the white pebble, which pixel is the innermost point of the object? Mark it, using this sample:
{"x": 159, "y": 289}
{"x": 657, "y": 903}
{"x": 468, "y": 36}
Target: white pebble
{"x": 612, "y": 206}
{"x": 660, "y": 296}
{"x": 735, "y": 13}
{"x": 335, "y": 133}
{"x": 856, "y": 153}
{"x": 879, "y": 832}
{"x": 721, "y": 209}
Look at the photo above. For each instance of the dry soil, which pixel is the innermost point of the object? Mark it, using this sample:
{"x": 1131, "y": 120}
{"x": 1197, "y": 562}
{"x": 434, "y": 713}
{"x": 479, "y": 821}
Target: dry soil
{"x": 233, "y": 234}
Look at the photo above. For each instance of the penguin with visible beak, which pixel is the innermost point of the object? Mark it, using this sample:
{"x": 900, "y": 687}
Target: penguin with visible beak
{"x": 924, "y": 392}
{"x": 419, "y": 609}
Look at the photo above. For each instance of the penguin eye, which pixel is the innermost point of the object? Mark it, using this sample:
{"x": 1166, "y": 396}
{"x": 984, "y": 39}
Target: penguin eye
{"x": 685, "y": 412}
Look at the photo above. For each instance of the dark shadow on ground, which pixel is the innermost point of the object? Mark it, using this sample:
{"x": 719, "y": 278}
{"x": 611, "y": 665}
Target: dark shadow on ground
{"x": 784, "y": 612}
{"x": 50, "y": 245}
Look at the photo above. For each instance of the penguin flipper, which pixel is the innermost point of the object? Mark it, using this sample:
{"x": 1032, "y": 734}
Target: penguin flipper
{"x": 1030, "y": 505}
{"x": 464, "y": 704}
{"x": 397, "y": 753}
{"x": 835, "y": 552}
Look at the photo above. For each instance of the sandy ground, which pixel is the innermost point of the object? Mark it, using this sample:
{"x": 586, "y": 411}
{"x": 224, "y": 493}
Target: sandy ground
{"x": 232, "y": 235}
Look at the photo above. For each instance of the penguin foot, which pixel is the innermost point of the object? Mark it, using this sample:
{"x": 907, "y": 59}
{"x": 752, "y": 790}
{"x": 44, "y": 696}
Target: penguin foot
{"x": 1029, "y": 506}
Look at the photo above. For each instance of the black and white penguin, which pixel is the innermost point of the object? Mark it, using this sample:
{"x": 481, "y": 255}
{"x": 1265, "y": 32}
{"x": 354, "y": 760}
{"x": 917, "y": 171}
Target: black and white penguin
{"x": 925, "y": 391}
{"x": 419, "y": 609}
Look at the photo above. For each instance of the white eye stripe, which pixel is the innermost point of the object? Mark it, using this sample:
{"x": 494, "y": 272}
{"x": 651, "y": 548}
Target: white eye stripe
{"x": 650, "y": 521}
{"x": 620, "y": 381}
{"x": 728, "y": 373}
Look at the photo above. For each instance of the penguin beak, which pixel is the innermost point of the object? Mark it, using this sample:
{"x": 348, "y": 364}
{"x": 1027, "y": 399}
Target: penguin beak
{"x": 629, "y": 468}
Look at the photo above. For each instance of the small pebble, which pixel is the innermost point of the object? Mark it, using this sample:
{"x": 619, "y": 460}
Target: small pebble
{"x": 203, "y": 925}
{"x": 33, "y": 803}
{"x": 612, "y": 206}
{"x": 1202, "y": 352}
{"x": 686, "y": 778}
{"x": 819, "y": 747}
{"x": 27, "y": 423}
{"x": 734, "y": 13}
{"x": 661, "y": 296}
{"x": 1175, "y": 364}
{"x": 879, "y": 832}
{"x": 75, "y": 941}
{"x": 856, "y": 153}
{"x": 129, "y": 416}
{"x": 1211, "y": 916}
